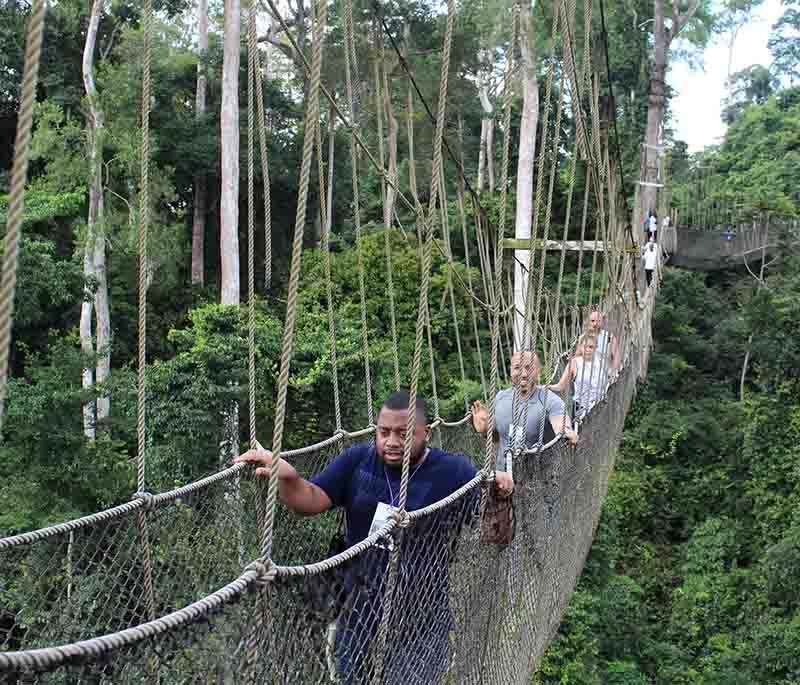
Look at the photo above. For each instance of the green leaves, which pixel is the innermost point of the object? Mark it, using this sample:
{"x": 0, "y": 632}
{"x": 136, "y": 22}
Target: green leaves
{"x": 693, "y": 573}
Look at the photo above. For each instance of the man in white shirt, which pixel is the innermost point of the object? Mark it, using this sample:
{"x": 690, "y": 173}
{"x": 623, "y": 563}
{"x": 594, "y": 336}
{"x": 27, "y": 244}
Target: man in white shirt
{"x": 650, "y": 256}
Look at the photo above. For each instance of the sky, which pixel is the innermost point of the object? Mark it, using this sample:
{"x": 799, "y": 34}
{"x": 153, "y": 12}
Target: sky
{"x": 696, "y": 108}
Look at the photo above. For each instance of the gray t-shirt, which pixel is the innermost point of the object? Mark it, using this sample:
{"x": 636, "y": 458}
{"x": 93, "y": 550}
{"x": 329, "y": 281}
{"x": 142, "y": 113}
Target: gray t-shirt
{"x": 538, "y": 400}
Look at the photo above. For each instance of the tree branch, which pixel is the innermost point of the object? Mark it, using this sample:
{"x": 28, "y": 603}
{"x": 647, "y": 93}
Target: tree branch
{"x": 679, "y": 20}
{"x": 277, "y": 27}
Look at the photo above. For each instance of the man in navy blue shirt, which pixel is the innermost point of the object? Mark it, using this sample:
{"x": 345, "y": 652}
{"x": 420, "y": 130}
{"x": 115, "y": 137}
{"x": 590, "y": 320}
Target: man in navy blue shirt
{"x": 365, "y": 481}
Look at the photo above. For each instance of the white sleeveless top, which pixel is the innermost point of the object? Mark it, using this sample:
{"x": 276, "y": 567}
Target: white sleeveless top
{"x": 590, "y": 381}
{"x": 603, "y": 348}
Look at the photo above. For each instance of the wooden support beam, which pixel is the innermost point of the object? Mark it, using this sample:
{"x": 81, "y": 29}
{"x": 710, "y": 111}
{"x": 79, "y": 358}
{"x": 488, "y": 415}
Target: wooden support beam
{"x": 555, "y": 245}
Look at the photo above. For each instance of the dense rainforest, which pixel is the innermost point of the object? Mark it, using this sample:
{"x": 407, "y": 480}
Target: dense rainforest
{"x": 694, "y": 572}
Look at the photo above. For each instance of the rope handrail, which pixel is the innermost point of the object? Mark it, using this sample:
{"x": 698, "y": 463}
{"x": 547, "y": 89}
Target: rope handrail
{"x": 167, "y": 496}
{"x": 258, "y": 571}
{"x": 72, "y": 525}
{"x": 222, "y": 520}
{"x": 49, "y": 658}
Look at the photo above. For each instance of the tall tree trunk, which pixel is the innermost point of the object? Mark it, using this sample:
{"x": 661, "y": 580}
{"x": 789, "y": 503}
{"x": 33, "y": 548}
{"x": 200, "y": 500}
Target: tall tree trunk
{"x": 229, "y": 197}
{"x": 527, "y": 154}
{"x": 229, "y": 136}
{"x": 200, "y": 180}
{"x": 94, "y": 261}
{"x": 486, "y": 153}
{"x": 101, "y": 308}
{"x": 662, "y": 36}
{"x": 87, "y": 344}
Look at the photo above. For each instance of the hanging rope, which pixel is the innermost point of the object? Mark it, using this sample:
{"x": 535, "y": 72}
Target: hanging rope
{"x": 311, "y": 120}
{"x": 19, "y": 176}
{"x": 262, "y": 141}
{"x": 489, "y": 459}
{"x": 422, "y": 318}
{"x": 141, "y": 398}
{"x": 252, "y": 51}
{"x": 327, "y": 219}
{"x": 348, "y": 52}
{"x": 382, "y": 98}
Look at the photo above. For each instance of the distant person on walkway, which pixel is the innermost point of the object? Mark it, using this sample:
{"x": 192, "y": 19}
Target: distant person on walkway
{"x": 653, "y": 226}
{"x": 589, "y": 374}
{"x": 607, "y": 343}
{"x": 650, "y": 256}
{"x": 541, "y": 404}
{"x": 665, "y": 222}
{"x": 365, "y": 481}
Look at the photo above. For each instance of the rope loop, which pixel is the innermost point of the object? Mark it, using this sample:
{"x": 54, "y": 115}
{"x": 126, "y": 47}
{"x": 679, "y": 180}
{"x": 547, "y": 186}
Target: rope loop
{"x": 147, "y": 499}
{"x": 265, "y": 571}
{"x": 402, "y": 518}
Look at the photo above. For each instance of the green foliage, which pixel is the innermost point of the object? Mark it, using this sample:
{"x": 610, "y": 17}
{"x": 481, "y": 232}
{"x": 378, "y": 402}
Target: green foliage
{"x": 750, "y": 86}
{"x": 44, "y": 450}
{"x": 43, "y": 208}
{"x": 753, "y": 170}
{"x": 784, "y": 42}
{"x": 693, "y": 573}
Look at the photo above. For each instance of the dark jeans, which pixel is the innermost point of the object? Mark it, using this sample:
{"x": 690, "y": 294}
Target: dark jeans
{"x": 648, "y": 274}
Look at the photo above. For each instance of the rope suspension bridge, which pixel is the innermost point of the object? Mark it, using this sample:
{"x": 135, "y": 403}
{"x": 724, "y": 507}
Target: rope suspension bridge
{"x": 213, "y": 581}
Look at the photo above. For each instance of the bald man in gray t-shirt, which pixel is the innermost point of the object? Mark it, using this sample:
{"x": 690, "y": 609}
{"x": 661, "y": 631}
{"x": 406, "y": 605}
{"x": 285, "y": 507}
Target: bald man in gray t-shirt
{"x": 542, "y": 403}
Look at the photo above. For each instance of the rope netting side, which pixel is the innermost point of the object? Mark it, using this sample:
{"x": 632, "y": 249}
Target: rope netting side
{"x": 340, "y": 615}
{"x": 477, "y": 600}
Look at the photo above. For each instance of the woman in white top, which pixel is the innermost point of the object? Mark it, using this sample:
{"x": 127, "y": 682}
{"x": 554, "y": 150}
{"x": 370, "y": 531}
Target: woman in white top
{"x": 589, "y": 373}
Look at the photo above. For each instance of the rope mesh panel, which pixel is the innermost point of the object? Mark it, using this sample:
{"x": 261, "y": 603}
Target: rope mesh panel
{"x": 467, "y": 611}
{"x": 707, "y": 249}
{"x": 424, "y": 600}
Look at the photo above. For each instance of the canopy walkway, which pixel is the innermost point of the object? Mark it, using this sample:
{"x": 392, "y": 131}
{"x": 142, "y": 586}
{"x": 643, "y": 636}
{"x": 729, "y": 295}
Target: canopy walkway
{"x": 215, "y": 582}
{"x": 718, "y": 248}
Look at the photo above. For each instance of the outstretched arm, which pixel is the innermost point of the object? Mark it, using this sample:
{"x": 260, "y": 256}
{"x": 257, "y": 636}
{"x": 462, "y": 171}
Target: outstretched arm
{"x": 563, "y": 424}
{"x": 295, "y": 492}
{"x": 563, "y": 382}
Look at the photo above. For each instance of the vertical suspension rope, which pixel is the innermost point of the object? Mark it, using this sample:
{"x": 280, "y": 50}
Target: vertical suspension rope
{"x": 262, "y": 141}
{"x": 349, "y": 53}
{"x": 311, "y": 120}
{"x": 569, "y": 24}
{"x": 451, "y": 263}
{"x": 261, "y": 616}
{"x": 252, "y": 48}
{"x": 19, "y": 176}
{"x": 462, "y": 215}
{"x": 144, "y": 223}
{"x": 381, "y": 95}
{"x": 327, "y": 219}
{"x": 422, "y": 315}
{"x": 489, "y": 458}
